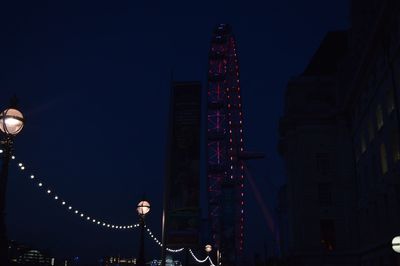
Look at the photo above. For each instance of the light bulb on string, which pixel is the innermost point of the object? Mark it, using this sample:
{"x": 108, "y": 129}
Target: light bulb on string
{"x": 56, "y": 197}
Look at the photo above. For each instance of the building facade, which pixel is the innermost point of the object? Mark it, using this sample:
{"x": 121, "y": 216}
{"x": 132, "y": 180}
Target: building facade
{"x": 373, "y": 109}
{"x": 316, "y": 146}
{"x": 340, "y": 143}
{"x": 21, "y": 254}
{"x": 182, "y": 188}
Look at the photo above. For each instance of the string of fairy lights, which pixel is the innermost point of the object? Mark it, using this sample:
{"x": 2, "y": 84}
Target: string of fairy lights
{"x": 152, "y": 236}
{"x": 203, "y": 260}
{"x": 99, "y": 222}
{"x": 150, "y": 233}
{"x": 67, "y": 206}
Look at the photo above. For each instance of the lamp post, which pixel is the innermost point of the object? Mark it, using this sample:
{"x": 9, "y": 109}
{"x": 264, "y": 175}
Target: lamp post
{"x": 143, "y": 208}
{"x": 218, "y": 257}
{"x": 11, "y": 123}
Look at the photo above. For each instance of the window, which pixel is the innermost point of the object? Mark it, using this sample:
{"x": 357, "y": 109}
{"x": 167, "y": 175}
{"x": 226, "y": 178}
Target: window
{"x": 395, "y": 145}
{"x": 386, "y": 206}
{"x": 328, "y": 237}
{"x": 322, "y": 160}
{"x": 384, "y": 165}
{"x": 371, "y": 132}
{"x": 390, "y": 101}
{"x": 379, "y": 117}
{"x": 325, "y": 194}
{"x": 357, "y": 153}
{"x": 375, "y": 168}
{"x": 363, "y": 145}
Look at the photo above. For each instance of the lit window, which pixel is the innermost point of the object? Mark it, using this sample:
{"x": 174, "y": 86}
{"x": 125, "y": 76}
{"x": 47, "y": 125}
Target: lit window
{"x": 371, "y": 131}
{"x": 379, "y": 117}
{"x": 384, "y": 164}
{"x": 395, "y": 145}
{"x": 390, "y": 101}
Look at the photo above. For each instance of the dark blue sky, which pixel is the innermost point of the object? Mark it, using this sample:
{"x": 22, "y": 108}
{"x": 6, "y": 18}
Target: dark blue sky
{"x": 93, "y": 82}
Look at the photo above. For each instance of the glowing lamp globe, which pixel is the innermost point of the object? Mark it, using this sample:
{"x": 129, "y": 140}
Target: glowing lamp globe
{"x": 143, "y": 208}
{"x": 208, "y": 248}
{"x": 11, "y": 121}
{"x": 396, "y": 244}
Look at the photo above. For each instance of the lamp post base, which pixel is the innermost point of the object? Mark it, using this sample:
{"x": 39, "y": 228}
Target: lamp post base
{"x": 141, "y": 260}
{"x": 6, "y": 146}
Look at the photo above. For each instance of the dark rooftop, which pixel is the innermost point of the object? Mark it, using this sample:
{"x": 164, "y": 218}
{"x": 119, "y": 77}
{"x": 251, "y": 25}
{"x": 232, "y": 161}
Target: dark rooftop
{"x": 325, "y": 60}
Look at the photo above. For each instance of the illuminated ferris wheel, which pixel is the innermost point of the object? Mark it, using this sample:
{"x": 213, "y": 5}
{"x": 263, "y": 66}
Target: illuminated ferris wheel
{"x": 225, "y": 146}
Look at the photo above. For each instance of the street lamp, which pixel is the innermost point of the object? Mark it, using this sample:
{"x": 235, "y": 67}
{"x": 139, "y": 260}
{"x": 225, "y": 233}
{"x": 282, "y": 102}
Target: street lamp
{"x": 396, "y": 244}
{"x": 208, "y": 249}
{"x": 143, "y": 208}
{"x": 11, "y": 123}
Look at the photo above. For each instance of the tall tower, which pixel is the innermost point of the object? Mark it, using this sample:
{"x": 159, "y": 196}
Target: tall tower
{"x": 225, "y": 147}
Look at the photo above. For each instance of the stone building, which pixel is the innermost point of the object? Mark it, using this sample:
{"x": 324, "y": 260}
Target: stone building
{"x": 340, "y": 143}
{"x": 372, "y": 106}
{"x": 316, "y": 146}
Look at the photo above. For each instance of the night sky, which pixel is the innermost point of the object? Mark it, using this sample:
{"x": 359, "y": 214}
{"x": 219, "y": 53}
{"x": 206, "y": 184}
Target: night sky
{"x": 93, "y": 82}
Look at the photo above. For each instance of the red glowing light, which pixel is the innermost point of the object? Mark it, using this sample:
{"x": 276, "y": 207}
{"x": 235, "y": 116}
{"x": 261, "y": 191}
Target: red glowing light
{"x": 224, "y": 90}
